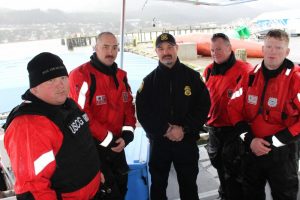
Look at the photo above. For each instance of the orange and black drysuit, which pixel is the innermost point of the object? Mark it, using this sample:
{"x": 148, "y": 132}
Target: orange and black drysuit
{"x": 104, "y": 94}
{"x": 266, "y": 104}
{"x": 173, "y": 96}
{"x": 48, "y": 146}
{"x": 223, "y": 145}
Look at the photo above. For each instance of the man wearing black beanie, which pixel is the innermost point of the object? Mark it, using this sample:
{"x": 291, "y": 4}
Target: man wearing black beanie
{"x": 44, "y": 67}
{"x": 47, "y": 138}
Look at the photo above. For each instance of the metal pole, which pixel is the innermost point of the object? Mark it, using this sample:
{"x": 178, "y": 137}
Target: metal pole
{"x": 122, "y": 33}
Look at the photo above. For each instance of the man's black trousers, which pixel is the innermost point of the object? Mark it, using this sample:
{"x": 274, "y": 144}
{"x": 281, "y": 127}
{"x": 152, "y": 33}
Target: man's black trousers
{"x": 185, "y": 156}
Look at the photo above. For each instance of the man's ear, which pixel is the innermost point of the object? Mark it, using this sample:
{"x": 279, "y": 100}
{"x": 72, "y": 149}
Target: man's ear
{"x": 287, "y": 52}
{"x": 33, "y": 90}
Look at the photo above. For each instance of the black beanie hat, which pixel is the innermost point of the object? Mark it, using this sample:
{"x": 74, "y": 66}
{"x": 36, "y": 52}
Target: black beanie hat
{"x": 45, "y": 66}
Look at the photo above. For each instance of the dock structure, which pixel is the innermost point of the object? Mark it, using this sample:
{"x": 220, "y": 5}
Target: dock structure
{"x": 81, "y": 41}
{"x": 148, "y": 35}
{"x": 141, "y": 36}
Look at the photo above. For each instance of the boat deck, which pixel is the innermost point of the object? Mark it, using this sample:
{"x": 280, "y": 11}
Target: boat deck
{"x": 207, "y": 179}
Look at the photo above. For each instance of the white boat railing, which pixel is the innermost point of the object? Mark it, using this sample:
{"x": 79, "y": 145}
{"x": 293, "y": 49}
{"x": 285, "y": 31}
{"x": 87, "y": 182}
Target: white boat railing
{"x": 6, "y": 169}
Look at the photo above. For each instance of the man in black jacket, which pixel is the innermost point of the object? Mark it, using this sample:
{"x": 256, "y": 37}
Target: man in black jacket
{"x": 172, "y": 105}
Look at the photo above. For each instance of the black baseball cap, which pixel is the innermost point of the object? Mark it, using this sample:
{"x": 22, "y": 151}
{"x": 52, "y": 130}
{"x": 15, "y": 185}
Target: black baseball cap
{"x": 165, "y": 37}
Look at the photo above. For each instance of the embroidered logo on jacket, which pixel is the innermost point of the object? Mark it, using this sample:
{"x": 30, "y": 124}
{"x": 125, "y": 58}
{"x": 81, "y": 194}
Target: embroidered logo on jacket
{"x": 76, "y": 124}
{"x": 272, "y": 102}
{"x": 252, "y": 99}
{"x": 101, "y": 99}
{"x": 187, "y": 91}
{"x": 125, "y": 96}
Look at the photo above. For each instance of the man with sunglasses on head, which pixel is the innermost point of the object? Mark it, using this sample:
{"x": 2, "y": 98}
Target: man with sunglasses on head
{"x": 221, "y": 78}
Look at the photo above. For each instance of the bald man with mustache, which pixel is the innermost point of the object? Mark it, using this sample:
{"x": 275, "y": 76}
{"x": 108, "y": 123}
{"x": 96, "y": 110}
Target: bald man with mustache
{"x": 101, "y": 88}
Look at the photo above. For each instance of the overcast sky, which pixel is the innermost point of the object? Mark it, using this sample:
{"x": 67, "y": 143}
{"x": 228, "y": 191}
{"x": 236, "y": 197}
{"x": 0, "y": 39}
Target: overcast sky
{"x": 115, "y": 5}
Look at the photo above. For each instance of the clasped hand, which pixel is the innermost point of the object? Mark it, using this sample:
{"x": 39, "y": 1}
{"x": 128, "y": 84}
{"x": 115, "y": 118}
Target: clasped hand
{"x": 120, "y": 145}
{"x": 174, "y": 133}
{"x": 260, "y": 146}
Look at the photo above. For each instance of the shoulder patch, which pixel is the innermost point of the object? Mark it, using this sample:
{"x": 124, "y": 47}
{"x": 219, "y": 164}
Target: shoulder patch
{"x": 141, "y": 87}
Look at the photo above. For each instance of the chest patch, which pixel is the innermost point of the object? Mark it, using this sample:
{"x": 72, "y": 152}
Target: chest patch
{"x": 101, "y": 99}
{"x": 272, "y": 102}
{"x": 125, "y": 96}
{"x": 252, "y": 99}
{"x": 187, "y": 91}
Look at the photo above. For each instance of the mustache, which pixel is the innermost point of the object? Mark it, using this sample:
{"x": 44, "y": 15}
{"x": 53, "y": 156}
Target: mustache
{"x": 167, "y": 56}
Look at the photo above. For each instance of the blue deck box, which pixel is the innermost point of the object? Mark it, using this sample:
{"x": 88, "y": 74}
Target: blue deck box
{"x": 137, "y": 153}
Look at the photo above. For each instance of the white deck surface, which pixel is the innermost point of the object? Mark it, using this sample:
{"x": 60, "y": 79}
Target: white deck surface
{"x": 207, "y": 178}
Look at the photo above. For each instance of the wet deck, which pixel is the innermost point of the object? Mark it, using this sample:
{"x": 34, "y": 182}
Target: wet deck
{"x": 207, "y": 179}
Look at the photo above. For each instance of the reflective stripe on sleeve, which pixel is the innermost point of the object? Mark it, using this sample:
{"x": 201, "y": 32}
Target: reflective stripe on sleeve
{"x": 243, "y": 135}
{"x": 107, "y": 139}
{"x": 43, "y": 161}
{"x": 82, "y": 93}
{"x": 276, "y": 142}
{"x": 237, "y": 93}
{"x": 127, "y": 128}
{"x": 298, "y": 96}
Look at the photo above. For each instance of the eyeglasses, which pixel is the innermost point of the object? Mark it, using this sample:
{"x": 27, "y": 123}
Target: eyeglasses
{"x": 220, "y": 35}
